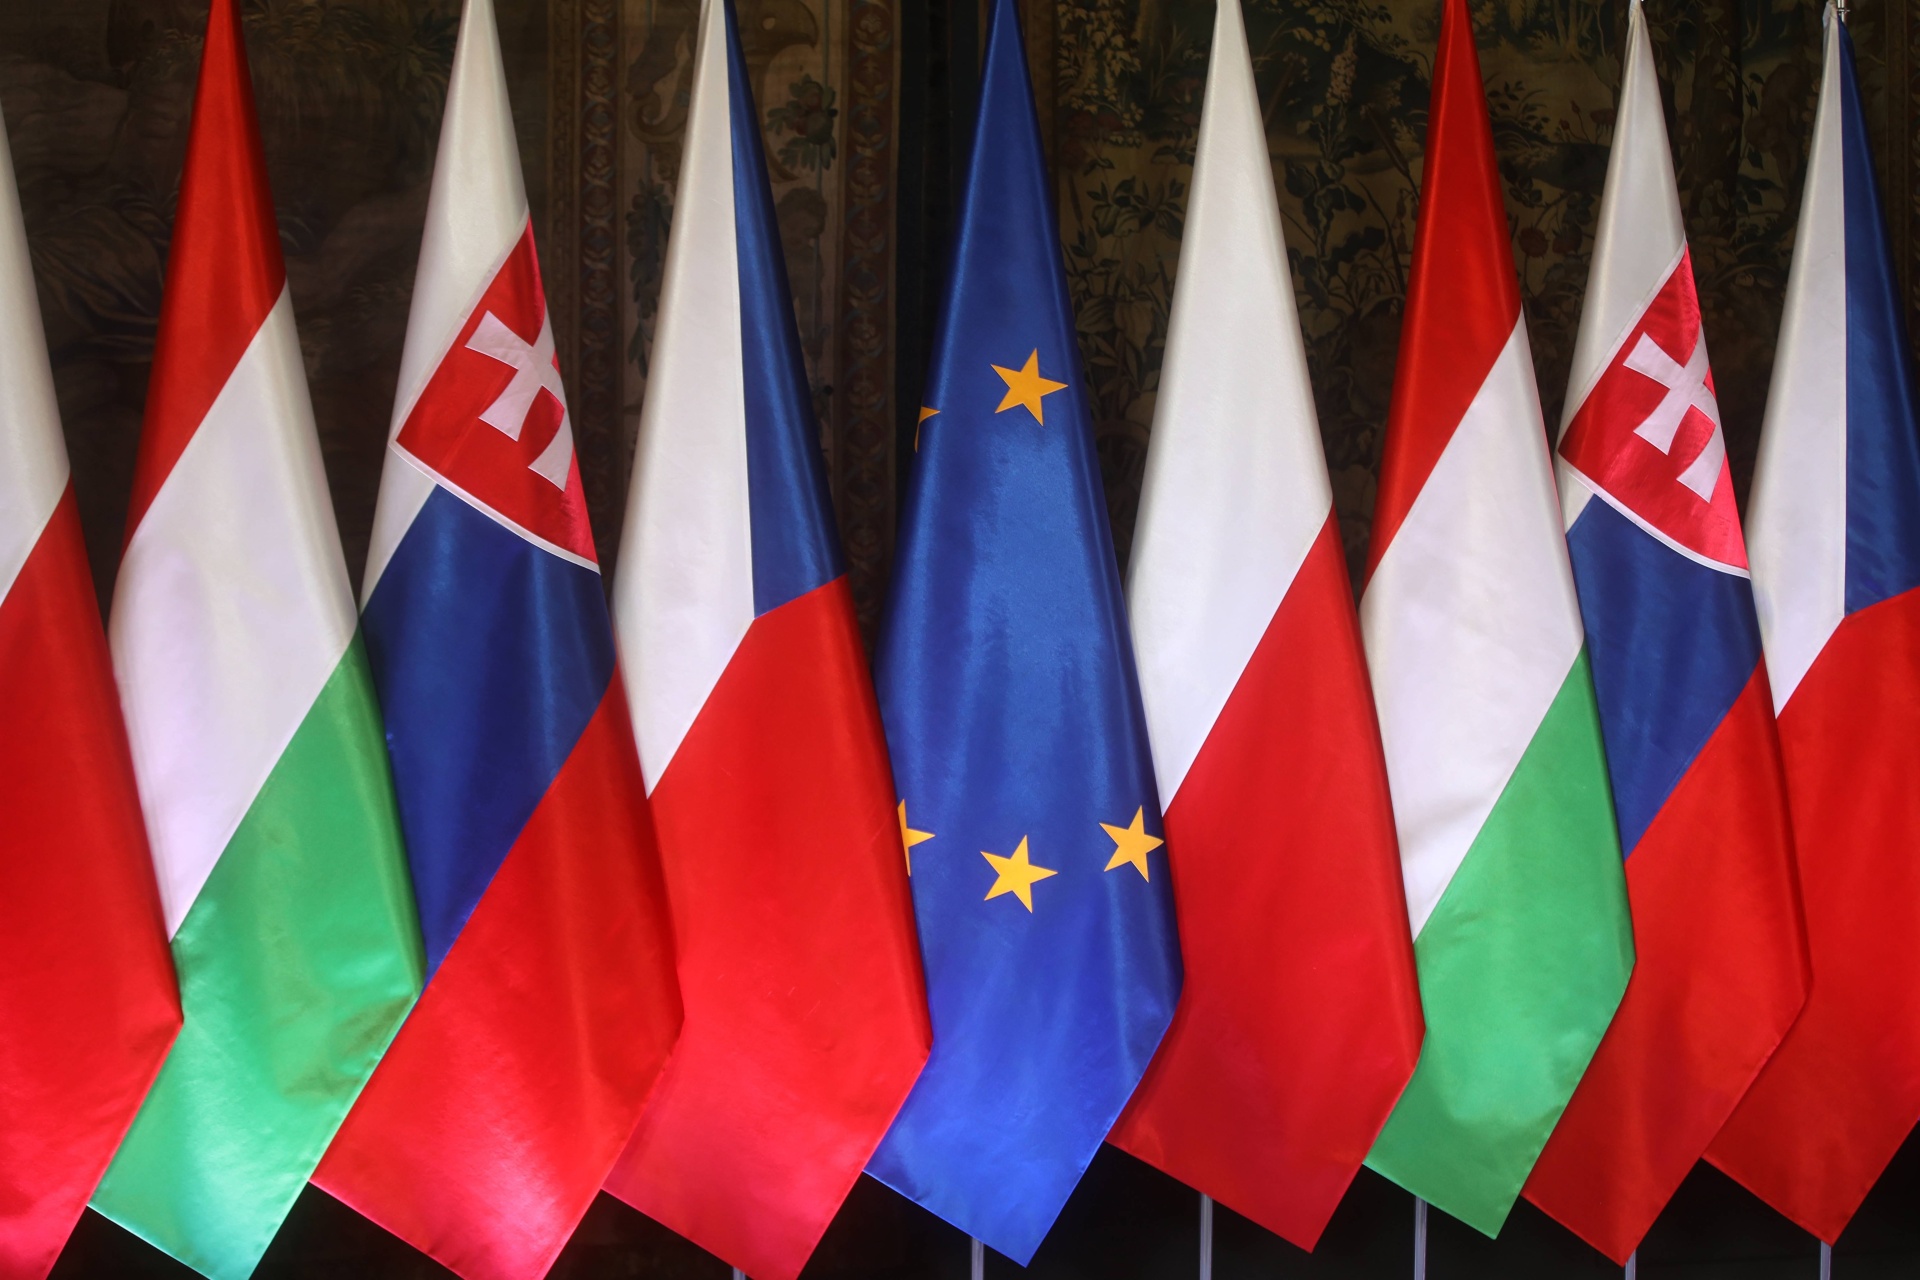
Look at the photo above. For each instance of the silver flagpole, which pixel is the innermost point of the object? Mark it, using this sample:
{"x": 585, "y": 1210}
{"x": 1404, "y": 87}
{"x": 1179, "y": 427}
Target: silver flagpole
{"x": 1633, "y": 1265}
{"x": 1206, "y": 1236}
{"x": 1826, "y": 1261}
{"x": 1419, "y": 1239}
{"x": 979, "y": 1261}
{"x": 738, "y": 1274}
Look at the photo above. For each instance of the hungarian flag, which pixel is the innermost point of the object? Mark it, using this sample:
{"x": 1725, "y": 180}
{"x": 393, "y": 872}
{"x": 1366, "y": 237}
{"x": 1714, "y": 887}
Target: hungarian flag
{"x": 256, "y": 738}
{"x": 760, "y": 740}
{"x": 550, "y": 1002}
{"x": 1480, "y": 672}
{"x": 1299, "y": 1022}
{"x": 87, "y": 999}
{"x": 1684, "y": 707}
{"x": 1835, "y": 524}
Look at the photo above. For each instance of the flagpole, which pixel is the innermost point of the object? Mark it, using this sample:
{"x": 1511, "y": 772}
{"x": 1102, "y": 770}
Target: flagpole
{"x": 979, "y": 1260}
{"x": 738, "y": 1274}
{"x": 1633, "y": 1265}
{"x": 1206, "y": 1236}
{"x": 1419, "y": 1239}
{"x": 1826, "y": 1253}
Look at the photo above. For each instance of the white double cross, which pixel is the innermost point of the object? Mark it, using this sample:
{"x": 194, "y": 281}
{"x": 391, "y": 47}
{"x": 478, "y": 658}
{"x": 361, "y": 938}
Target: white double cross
{"x": 1686, "y": 389}
{"x": 534, "y": 370}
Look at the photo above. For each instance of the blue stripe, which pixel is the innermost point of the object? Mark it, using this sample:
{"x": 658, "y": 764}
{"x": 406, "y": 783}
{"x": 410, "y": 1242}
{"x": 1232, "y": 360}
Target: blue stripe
{"x": 794, "y": 545}
{"x": 490, "y": 656}
{"x": 1673, "y": 644}
{"x": 1883, "y": 440}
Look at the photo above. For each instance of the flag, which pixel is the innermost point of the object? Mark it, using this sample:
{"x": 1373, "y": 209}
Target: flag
{"x": 87, "y": 998}
{"x": 1013, "y": 714}
{"x": 1481, "y": 675}
{"x": 1835, "y": 524}
{"x": 1299, "y": 1021}
{"x": 760, "y": 741}
{"x": 1662, "y": 574}
{"x": 550, "y": 1002}
{"x": 255, "y": 734}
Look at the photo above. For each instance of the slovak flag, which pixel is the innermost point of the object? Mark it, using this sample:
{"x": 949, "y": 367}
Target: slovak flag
{"x": 760, "y": 740}
{"x": 550, "y": 1002}
{"x": 1835, "y": 519}
{"x": 1685, "y": 711}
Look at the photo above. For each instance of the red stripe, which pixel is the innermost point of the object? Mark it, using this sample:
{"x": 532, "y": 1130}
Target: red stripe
{"x": 488, "y": 1128}
{"x": 224, "y": 270}
{"x": 806, "y": 1017}
{"x": 1720, "y": 972}
{"x": 87, "y": 1000}
{"x": 1843, "y": 1090}
{"x": 1300, "y": 1023}
{"x": 1462, "y": 297}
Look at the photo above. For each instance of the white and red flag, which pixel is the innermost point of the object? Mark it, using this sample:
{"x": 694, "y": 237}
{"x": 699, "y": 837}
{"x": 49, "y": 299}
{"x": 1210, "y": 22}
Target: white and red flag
{"x": 1300, "y": 1020}
{"x": 1661, "y": 567}
{"x": 1835, "y": 524}
{"x": 87, "y": 999}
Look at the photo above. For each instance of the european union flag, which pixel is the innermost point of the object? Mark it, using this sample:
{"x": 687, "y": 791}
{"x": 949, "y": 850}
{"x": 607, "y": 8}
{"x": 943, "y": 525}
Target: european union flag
{"x": 1019, "y": 746}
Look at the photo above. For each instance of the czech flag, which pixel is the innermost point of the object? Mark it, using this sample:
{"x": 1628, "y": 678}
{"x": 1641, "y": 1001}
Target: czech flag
{"x": 550, "y": 1002}
{"x": 1835, "y": 519}
{"x": 760, "y": 740}
{"x": 1661, "y": 568}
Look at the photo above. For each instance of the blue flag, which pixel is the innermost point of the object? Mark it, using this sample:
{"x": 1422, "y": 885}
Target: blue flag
{"x": 1014, "y": 720}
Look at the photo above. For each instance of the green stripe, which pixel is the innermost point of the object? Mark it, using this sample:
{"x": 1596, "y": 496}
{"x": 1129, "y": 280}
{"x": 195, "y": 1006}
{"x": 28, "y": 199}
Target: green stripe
{"x": 1522, "y": 965}
{"x": 297, "y": 963}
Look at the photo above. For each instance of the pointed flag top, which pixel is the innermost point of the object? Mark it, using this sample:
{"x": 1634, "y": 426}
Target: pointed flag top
{"x": 1015, "y": 725}
{"x": 224, "y": 270}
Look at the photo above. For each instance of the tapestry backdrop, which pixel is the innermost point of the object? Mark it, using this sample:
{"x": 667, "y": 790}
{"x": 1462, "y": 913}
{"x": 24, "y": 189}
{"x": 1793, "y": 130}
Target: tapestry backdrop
{"x": 866, "y": 107}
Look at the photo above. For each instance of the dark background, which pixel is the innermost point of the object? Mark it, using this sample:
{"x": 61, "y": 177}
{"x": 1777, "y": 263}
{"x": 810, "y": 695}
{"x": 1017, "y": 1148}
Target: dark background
{"x": 95, "y": 94}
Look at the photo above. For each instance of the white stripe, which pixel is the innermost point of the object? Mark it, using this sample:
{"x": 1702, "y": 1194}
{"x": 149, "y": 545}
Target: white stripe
{"x": 1640, "y": 236}
{"x": 231, "y": 610}
{"x": 476, "y": 213}
{"x": 1471, "y": 626}
{"x": 1797, "y": 517}
{"x": 33, "y": 458}
{"x": 683, "y": 589}
{"x": 1236, "y": 488}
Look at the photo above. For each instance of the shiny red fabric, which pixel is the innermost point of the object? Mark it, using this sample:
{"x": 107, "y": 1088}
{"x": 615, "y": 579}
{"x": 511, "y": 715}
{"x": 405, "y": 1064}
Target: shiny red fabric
{"x": 1299, "y": 1023}
{"x": 1842, "y": 1091}
{"x": 1720, "y": 974}
{"x": 224, "y": 271}
{"x": 1463, "y": 298}
{"x": 806, "y": 1018}
{"x": 488, "y": 1128}
{"x": 88, "y": 1006}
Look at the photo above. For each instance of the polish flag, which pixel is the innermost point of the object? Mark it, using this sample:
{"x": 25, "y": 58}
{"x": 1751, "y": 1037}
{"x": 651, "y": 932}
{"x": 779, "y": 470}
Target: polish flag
{"x": 87, "y": 1000}
{"x": 760, "y": 739}
{"x": 1835, "y": 519}
{"x": 1661, "y": 566}
{"x": 550, "y": 1002}
{"x": 1300, "y": 1020}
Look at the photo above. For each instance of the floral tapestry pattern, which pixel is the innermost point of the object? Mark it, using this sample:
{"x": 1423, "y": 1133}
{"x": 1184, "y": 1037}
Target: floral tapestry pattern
{"x": 1344, "y": 87}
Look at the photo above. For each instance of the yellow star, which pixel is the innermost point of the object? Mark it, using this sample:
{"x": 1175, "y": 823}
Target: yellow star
{"x": 1132, "y": 844}
{"x": 1025, "y": 386}
{"x": 925, "y": 413}
{"x": 1016, "y": 875}
{"x": 909, "y": 837}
